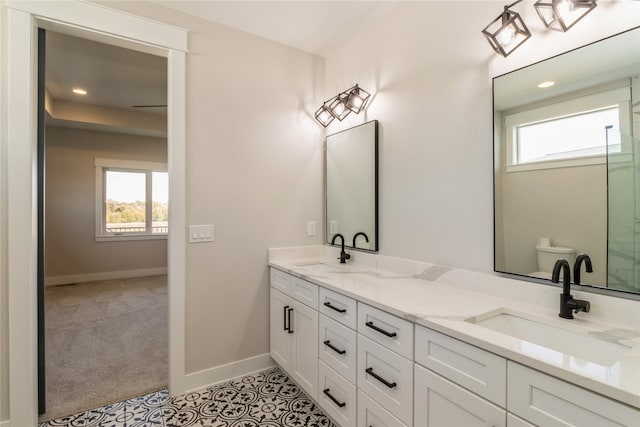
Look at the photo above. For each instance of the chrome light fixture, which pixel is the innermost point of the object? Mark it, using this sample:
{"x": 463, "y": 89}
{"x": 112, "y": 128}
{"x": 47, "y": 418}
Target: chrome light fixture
{"x": 340, "y": 106}
{"x": 560, "y": 15}
{"x": 507, "y": 32}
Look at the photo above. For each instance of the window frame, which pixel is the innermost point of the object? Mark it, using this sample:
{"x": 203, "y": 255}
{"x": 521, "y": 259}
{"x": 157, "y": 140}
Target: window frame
{"x": 620, "y": 97}
{"x": 119, "y": 165}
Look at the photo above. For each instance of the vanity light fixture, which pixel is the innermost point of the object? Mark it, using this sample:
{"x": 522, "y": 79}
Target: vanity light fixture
{"x": 353, "y": 99}
{"x": 79, "y": 91}
{"x": 507, "y": 32}
{"x": 560, "y": 15}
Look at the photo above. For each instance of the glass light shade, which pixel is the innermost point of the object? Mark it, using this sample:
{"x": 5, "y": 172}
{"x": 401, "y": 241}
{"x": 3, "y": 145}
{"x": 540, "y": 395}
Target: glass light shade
{"x": 357, "y": 99}
{"x": 507, "y": 32}
{"x": 560, "y": 15}
{"x": 338, "y": 106}
{"x": 324, "y": 116}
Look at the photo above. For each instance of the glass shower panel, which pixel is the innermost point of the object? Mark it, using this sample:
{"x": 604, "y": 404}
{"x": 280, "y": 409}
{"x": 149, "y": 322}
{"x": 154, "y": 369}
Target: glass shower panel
{"x": 623, "y": 167}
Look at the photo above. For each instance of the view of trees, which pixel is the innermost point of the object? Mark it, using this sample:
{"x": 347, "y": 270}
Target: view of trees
{"x": 122, "y": 213}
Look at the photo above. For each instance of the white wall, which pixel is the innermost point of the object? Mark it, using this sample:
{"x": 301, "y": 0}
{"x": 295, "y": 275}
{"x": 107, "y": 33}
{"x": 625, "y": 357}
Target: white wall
{"x": 4, "y": 309}
{"x": 430, "y": 70}
{"x": 70, "y": 246}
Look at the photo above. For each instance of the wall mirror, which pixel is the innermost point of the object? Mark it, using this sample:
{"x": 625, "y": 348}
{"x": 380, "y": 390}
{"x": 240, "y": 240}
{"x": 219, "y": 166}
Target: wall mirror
{"x": 567, "y": 164}
{"x": 351, "y": 186}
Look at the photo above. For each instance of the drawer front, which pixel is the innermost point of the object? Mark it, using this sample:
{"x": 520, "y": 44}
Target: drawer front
{"x": 371, "y": 414}
{"x": 338, "y": 307}
{"x": 337, "y": 396}
{"x": 481, "y": 372}
{"x": 513, "y": 421}
{"x": 337, "y": 347}
{"x": 387, "y": 378}
{"x": 281, "y": 281}
{"x": 390, "y": 331}
{"x": 439, "y": 402}
{"x": 305, "y": 292}
{"x": 547, "y": 401}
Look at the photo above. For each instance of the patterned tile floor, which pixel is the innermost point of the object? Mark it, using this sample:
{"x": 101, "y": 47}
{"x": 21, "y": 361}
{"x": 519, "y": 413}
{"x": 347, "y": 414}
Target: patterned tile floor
{"x": 266, "y": 399}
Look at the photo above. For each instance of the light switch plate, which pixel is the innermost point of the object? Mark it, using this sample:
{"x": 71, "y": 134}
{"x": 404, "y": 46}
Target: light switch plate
{"x": 311, "y": 228}
{"x": 333, "y": 226}
{"x": 200, "y": 233}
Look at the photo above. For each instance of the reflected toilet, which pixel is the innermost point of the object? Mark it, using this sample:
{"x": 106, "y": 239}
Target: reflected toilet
{"x": 547, "y": 256}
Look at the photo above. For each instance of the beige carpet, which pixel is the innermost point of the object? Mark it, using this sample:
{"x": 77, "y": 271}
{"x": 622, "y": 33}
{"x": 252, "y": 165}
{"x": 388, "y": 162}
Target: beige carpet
{"x": 105, "y": 341}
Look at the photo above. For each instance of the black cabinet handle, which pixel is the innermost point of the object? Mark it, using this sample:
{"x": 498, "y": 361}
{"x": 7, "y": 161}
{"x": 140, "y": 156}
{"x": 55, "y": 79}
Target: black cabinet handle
{"x": 284, "y": 321}
{"x": 340, "y": 404}
{"x": 328, "y": 344}
{"x": 289, "y": 318}
{"x": 339, "y": 310}
{"x": 382, "y": 331}
{"x": 379, "y": 378}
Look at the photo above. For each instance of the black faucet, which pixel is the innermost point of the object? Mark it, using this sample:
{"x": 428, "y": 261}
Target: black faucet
{"x": 360, "y": 233}
{"x": 343, "y": 255}
{"x": 567, "y": 303}
{"x": 578, "y": 264}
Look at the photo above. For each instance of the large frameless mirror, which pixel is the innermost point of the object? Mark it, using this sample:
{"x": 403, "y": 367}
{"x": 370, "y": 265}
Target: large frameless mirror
{"x": 567, "y": 164}
{"x": 351, "y": 185}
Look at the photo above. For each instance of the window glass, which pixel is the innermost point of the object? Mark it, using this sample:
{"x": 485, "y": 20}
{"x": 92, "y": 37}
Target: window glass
{"x": 160, "y": 199}
{"x": 579, "y": 135}
{"x": 125, "y": 207}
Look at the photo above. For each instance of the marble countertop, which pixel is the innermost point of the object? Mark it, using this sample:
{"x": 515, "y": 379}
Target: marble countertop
{"x": 425, "y": 298}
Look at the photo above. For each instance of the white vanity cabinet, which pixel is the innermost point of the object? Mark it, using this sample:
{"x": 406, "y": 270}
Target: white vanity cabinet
{"x": 294, "y": 329}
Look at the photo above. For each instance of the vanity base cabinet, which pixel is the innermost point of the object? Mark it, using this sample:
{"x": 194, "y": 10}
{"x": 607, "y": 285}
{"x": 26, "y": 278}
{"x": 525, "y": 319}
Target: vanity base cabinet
{"x": 439, "y": 402}
{"x": 547, "y": 401}
{"x": 371, "y": 414}
{"x": 337, "y": 396}
{"x": 294, "y": 340}
{"x": 513, "y": 421}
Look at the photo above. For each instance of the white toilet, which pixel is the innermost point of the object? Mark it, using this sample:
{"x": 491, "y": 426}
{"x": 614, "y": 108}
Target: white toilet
{"x": 548, "y": 255}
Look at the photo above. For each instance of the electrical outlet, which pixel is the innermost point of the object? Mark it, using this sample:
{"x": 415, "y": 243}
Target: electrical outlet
{"x": 200, "y": 233}
{"x": 311, "y": 228}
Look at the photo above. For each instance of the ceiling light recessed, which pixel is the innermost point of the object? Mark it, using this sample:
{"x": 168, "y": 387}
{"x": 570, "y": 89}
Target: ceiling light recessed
{"x": 79, "y": 91}
{"x": 546, "y": 84}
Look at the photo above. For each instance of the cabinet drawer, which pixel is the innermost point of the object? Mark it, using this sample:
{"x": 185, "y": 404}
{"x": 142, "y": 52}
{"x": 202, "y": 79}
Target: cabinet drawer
{"x": 481, "y": 372}
{"x": 337, "y": 396}
{"x": 439, "y": 402}
{"x": 386, "y": 377}
{"x": 370, "y": 413}
{"x": 338, "y": 307}
{"x": 547, "y": 401}
{"x": 337, "y": 347}
{"x": 281, "y": 281}
{"x": 305, "y": 292}
{"x": 513, "y": 421}
{"x": 390, "y": 331}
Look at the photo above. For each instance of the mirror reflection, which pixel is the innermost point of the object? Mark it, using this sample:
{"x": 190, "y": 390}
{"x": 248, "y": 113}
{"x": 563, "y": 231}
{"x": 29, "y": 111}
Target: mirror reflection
{"x": 351, "y": 185}
{"x": 567, "y": 164}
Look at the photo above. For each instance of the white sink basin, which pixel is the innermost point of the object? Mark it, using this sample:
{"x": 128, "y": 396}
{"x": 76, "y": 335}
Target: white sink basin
{"x": 566, "y": 339}
{"x": 318, "y": 267}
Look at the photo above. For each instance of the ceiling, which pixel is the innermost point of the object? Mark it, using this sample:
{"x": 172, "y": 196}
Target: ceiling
{"x": 312, "y": 26}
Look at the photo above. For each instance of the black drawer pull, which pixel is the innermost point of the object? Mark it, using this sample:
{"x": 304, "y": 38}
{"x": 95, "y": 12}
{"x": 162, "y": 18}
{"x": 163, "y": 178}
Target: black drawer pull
{"x": 328, "y": 344}
{"x": 286, "y": 328}
{"x": 289, "y": 317}
{"x": 379, "y": 378}
{"x": 339, "y": 310}
{"x": 382, "y": 331}
{"x": 340, "y": 404}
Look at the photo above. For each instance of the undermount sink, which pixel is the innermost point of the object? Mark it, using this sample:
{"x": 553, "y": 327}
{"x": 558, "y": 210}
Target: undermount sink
{"x": 553, "y": 335}
{"x": 318, "y": 267}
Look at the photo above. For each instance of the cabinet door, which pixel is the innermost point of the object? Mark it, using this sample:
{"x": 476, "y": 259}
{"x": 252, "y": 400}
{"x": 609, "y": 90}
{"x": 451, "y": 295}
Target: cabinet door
{"x": 281, "y": 350}
{"x": 439, "y": 402}
{"x": 304, "y": 327}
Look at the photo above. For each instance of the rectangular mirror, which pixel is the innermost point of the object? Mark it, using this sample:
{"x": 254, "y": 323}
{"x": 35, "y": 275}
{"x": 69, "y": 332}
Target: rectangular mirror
{"x": 567, "y": 163}
{"x": 351, "y": 186}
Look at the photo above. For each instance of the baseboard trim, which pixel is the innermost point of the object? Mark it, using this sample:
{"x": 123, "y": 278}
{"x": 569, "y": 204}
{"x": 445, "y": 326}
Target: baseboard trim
{"x": 107, "y": 275}
{"x": 208, "y": 377}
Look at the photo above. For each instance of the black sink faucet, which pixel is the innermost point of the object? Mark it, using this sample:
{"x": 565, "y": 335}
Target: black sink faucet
{"x": 576, "y": 267}
{"x": 343, "y": 255}
{"x": 360, "y": 233}
{"x": 567, "y": 303}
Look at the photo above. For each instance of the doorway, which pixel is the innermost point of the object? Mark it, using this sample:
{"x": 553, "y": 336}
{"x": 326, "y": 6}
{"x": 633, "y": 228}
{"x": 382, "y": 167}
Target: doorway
{"x": 102, "y": 24}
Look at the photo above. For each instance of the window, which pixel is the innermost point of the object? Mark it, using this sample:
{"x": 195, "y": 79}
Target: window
{"x": 131, "y": 200}
{"x": 575, "y": 132}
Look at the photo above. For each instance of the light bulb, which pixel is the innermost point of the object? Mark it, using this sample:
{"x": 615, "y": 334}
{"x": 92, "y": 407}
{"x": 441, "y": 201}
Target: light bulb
{"x": 338, "y": 109}
{"x": 564, "y": 9}
{"x": 323, "y": 116}
{"x": 506, "y": 35}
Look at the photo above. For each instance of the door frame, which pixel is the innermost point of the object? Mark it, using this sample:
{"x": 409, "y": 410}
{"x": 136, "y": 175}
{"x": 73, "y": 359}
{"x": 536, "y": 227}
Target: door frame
{"x": 103, "y": 24}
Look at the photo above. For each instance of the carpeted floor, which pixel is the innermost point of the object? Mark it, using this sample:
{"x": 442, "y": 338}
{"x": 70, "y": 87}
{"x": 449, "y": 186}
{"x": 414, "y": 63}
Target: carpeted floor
{"x": 105, "y": 342}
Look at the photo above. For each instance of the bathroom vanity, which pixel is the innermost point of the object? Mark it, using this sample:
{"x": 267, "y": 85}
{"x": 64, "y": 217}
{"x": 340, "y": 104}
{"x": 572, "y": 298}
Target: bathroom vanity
{"x": 390, "y": 342}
